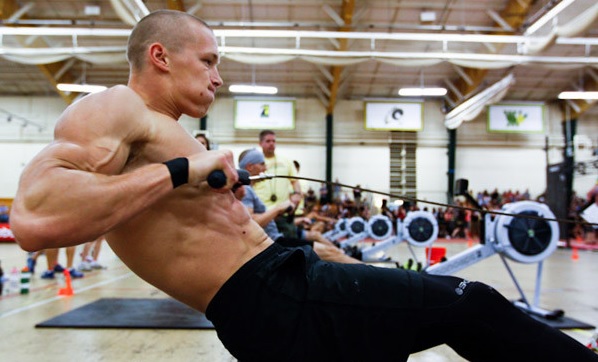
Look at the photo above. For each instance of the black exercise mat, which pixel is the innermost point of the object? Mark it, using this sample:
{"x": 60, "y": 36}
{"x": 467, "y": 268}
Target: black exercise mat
{"x": 563, "y": 322}
{"x": 150, "y": 313}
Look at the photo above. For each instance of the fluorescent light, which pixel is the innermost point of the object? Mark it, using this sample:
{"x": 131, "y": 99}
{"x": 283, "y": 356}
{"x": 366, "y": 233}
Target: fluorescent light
{"x": 258, "y": 89}
{"x": 578, "y": 95}
{"x": 422, "y": 92}
{"x": 546, "y": 17}
{"x": 80, "y": 88}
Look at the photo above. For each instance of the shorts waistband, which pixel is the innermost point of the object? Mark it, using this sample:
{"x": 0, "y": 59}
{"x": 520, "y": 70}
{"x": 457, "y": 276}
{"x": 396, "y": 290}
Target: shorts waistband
{"x": 250, "y": 269}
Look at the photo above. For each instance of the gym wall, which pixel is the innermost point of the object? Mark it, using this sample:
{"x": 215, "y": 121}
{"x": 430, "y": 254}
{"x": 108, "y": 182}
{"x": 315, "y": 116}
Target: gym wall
{"x": 505, "y": 161}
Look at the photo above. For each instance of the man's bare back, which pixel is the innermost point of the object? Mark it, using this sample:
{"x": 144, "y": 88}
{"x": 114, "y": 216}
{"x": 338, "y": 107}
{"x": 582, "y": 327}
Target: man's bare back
{"x": 105, "y": 174}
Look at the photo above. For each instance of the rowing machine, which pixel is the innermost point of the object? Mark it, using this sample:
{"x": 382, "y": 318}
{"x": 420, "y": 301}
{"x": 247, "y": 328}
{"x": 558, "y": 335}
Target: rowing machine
{"x": 527, "y": 238}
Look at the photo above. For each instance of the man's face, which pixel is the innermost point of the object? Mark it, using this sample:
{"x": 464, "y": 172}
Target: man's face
{"x": 268, "y": 145}
{"x": 195, "y": 72}
{"x": 202, "y": 140}
{"x": 256, "y": 168}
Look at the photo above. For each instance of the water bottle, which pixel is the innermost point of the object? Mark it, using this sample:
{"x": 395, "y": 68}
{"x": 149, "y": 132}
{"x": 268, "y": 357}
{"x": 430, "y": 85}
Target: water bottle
{"x": 13, "y": 280}
{"x": 25, "y": 280}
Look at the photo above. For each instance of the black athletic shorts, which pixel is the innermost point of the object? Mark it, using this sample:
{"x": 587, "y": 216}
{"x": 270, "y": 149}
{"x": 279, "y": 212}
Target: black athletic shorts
{"x": 287, "y": 304}
{"x": 293, "y": 242}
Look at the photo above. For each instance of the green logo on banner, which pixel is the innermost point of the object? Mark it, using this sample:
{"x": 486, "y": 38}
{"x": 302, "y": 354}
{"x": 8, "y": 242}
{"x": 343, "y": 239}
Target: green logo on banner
{"x": 265, "y": 111}
{"x": 515, "y": 118}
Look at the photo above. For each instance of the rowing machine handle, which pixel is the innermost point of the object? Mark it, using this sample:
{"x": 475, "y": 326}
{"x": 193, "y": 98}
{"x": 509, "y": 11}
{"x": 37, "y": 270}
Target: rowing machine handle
{"x": 217, "y": 179}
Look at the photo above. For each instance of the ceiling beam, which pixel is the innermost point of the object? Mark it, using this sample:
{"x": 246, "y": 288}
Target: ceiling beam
{"x": 347, "y": 10}
{"x": 10, "y": 7}
{"x": 513, "y": 15}
{"x": 175, "y": 5}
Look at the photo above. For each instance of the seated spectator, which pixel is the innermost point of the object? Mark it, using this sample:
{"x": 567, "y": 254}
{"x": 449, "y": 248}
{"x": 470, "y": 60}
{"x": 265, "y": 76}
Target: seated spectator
{"x": 253, "y": 161}
{"x": 203, "y": 139}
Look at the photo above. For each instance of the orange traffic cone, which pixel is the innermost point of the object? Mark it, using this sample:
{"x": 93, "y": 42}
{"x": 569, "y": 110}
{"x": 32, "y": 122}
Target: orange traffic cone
{"x": 469, "y": 239}
{"x": 68, "y": 289}
{"x": 575, "y": 254}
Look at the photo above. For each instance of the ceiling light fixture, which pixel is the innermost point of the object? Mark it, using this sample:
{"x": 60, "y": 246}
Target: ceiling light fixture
{"x": 80, "y": 88}
{"x": 578, "y": 95}
{"x": 256, "y": 89}
{"x": 548, "y": 16}
{"x": 422, "y": 92}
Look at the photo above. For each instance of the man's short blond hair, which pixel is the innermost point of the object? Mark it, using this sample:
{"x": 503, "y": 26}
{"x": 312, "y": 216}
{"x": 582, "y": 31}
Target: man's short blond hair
{"x": 167, "y": 27}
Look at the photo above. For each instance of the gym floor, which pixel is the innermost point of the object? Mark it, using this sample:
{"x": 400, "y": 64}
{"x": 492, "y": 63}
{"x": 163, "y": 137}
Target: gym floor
{"x": 568, "y": 283}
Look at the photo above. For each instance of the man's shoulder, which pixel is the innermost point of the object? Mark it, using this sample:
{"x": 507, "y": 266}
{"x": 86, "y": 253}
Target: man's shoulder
{"x": 119, "y": 98}
{"x": 250, "y": 198}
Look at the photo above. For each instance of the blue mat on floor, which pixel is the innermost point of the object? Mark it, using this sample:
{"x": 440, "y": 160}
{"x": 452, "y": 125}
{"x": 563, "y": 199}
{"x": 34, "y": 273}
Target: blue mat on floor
{"x": 150, "y": 313}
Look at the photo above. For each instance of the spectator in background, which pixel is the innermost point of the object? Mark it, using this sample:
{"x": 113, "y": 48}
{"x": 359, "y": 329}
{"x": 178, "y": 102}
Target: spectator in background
{"x": 357, "y": 196}
{"x": 276, "y": 190}
{"x": 90, "y": 255}
{"x": 3, "y": 214}
{"x": 203, "y": 139}
{"x": 324, "y": 194}
{"x": 310, "y": 199}
{"x": 386, "y": 211}
{"x": 55, "y": 267}
{"x": 252, "y": 160}
{"x": 336, "y": 191}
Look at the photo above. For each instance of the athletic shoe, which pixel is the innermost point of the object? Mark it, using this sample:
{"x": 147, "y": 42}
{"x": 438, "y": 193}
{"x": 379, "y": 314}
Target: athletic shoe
{"x": 48, "y": 274}
{"x": 84, "y": 266}
{"x": 31, "y": 264}
{"x": 75, "y": 273}
{"x": 58, "y": 268}
{"x": 95, "y": 265}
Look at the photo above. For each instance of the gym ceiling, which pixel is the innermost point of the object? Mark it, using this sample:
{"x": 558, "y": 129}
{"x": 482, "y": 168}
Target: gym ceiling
{"x": 330, "y": 50}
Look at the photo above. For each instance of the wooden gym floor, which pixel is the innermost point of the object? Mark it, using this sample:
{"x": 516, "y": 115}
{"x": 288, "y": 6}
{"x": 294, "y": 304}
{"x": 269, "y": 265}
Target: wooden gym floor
{"x": 569, "y": 283}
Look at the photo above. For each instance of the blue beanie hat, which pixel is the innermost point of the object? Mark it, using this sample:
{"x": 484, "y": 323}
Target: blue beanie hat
{"x": 252, "y": 156}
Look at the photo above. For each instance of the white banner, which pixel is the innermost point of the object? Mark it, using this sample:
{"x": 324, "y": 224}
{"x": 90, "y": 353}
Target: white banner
{"x": 264, "y": 114}
{"x": 516, "y": 118}
{"x": 392, "y": 116}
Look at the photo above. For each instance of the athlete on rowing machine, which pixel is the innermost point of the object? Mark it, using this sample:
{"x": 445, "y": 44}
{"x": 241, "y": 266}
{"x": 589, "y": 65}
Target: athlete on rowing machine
{"x": 121, "y": 165}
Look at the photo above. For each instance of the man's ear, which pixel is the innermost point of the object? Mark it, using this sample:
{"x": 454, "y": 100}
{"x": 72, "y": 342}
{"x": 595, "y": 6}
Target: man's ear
{"x": 159, "y": 56}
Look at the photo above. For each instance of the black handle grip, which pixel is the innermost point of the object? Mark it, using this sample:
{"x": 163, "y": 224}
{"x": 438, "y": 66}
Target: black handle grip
{"x": 217, "y": 178}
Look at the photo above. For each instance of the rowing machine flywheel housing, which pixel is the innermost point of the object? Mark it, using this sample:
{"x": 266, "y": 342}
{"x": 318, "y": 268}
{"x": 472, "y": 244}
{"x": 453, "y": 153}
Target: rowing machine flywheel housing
{"x": 420, "y": 228}
{"x": 529, "y": 238}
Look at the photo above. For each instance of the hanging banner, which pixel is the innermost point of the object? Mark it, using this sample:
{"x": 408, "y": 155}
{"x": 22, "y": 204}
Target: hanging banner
{"x": 264, "y": 114}
{"x": 393, "y": 116}
{"x": 516, "y": 118}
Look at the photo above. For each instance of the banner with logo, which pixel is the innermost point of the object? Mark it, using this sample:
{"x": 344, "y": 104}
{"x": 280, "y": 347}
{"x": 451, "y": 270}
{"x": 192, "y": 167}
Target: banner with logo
{"x": 393, "y": 116}
{"x": 264, "y": 114}
{"x": 516, "y": 118}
